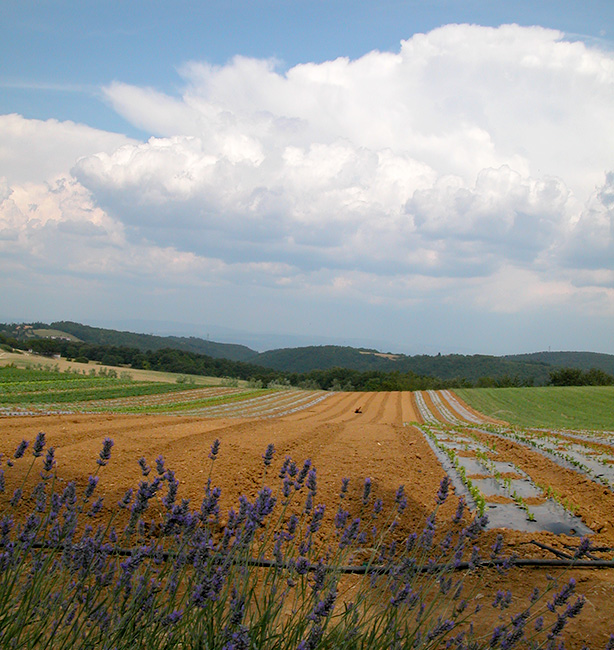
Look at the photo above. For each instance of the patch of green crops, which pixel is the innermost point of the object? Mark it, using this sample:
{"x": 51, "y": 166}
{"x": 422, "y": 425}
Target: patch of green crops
{"x": 569, "y": 407}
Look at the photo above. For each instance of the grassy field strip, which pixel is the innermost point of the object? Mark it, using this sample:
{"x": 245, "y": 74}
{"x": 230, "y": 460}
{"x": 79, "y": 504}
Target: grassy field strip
{"x": 459, "y": 408}
{"x": 104, "y": 390}
{"x": 23, "y": 387}
{"x": 577, "y": 408}
{"x": 443, "y": 410}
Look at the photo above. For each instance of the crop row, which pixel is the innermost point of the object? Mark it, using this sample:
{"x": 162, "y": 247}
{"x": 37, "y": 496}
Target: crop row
{"x": 272, "y": 405}
{"x": 491, "y": 483}
{"x": 180, "y": 397}
{"x": 497, "y": 487}
{"x": 99, "y": 392}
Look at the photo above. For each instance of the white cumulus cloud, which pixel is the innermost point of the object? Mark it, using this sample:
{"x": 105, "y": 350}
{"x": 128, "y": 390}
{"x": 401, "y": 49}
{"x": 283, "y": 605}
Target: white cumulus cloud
{"x": 471, "y": 157}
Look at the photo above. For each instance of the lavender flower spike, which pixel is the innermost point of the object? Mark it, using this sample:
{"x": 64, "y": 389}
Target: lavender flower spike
{"x": 444, "y": 486}
{"x": 268, "y": 455}
{"x": 39, "y": 445}
{"x": 21, "y": 450}
{"x": 145, "y": 469}
{"x": 105, "y": 452}
{"x": 366, "y": 491}
{"x": 49, "y": 461}
{"x": 215, "y": 448}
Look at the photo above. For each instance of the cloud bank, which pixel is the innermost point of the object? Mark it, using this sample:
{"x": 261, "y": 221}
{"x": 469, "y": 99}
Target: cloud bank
{"x": 473, "y": 166}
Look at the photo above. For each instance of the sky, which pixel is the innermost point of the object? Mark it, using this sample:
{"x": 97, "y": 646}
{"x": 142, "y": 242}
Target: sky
{"x": 416, "y": 176}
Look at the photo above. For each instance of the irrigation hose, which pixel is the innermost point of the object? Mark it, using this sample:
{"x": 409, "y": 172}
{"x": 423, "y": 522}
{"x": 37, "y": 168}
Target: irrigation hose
{"x": 369, "y": 569}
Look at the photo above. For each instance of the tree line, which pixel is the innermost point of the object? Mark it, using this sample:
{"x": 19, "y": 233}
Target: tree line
{"x": 192, "y": 363}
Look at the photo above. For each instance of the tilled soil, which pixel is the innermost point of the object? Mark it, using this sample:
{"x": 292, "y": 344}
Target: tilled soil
{"x": 374, "y": 443}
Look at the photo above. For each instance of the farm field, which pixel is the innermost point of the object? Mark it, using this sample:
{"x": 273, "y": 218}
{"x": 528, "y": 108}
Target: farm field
{"x": 409, "y": 439}
{"x": 569, "y": 407}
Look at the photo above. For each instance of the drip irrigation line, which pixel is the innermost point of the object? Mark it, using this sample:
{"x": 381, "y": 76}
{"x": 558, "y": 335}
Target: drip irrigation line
{"x": 368, "y": 569}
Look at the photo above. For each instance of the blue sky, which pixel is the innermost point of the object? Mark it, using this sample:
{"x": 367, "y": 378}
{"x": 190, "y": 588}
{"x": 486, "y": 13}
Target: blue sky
{"x": 421, "y": 176}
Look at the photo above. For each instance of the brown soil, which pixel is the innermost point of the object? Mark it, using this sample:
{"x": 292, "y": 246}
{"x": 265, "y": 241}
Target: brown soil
{"x": 341, "y": 443}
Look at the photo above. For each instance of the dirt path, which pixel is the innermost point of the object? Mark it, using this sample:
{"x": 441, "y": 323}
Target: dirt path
{"x": 340, "y": 442}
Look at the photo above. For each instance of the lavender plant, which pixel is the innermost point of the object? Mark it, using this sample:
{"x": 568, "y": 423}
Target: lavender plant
{"x": 282, "y": 573}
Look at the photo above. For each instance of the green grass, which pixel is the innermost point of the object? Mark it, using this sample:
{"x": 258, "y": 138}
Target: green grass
{"x": 21, "y": 388}
{"x": 569, "y": 407}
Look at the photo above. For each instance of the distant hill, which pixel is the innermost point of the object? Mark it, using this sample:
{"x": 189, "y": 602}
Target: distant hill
{"x": 100, "y": 336}
{"x": 529, "y": 369}
{"x": 582, "y": 360}
{"x": 449, "y": 366}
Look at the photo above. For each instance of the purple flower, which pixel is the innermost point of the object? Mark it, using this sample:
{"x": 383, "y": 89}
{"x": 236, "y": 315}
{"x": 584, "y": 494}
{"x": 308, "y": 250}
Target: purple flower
{"x": 172, "y": 618}
{"x": 318, "y": 576}
{"x": 366, "y": 491}
{"x": 263, "y": 506}
{"x": 562, "y": 596}
{"x": 287, "y": 487}
{"x": 105, "y": 452}
{"x": 302, "y": 475}
{"x": 173, "y": 486}
{"x": 441, "y": 627}
{"x": 344, "y": 487}
{"x": 160, "y": 465}
{"x": 311, "y": 481}
{"x": 341, "y": 518}
{"x": 349, "y": 534}
{"x": 125, "y": 502}
{"x": 284, "y": 467}
{"x": 496, "y": 547}
{"x": 145, "y": 493}
{"x": 21, "y": 449}
{"x": 49, "y": 461}
{"x": 402, "y": 595}
{"x": 426, "y": 538}
{"x": 96, "y": 507}
{"x": 210, "y": 504}
{"x": 239, "y": 640}
{"x": 302, "y": 566}
{"x": 400, "y": 499}
{"x": 313, "y": 639}
{"x": 145, "y": 469}
{"x": 583, "y": 548}
{"x": 459, "y": 510}
{"x": 316, "y": 519}
{"x": 378, "y": 504}
{"x": 39, "y": 445}
{"x": 16, "y": 497}
{"x": 496, "y": 635}
{"x": 268, "y": 455}
{"x": 215, "y": 448}
{"x": 498, "y": 598}
{"x": 444, "y": 486}
{"x": 324, "y": 607}
{"x": 91, "y": 486}
{"x": 574, "y": 610}
{"x": 237, "y": 609}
